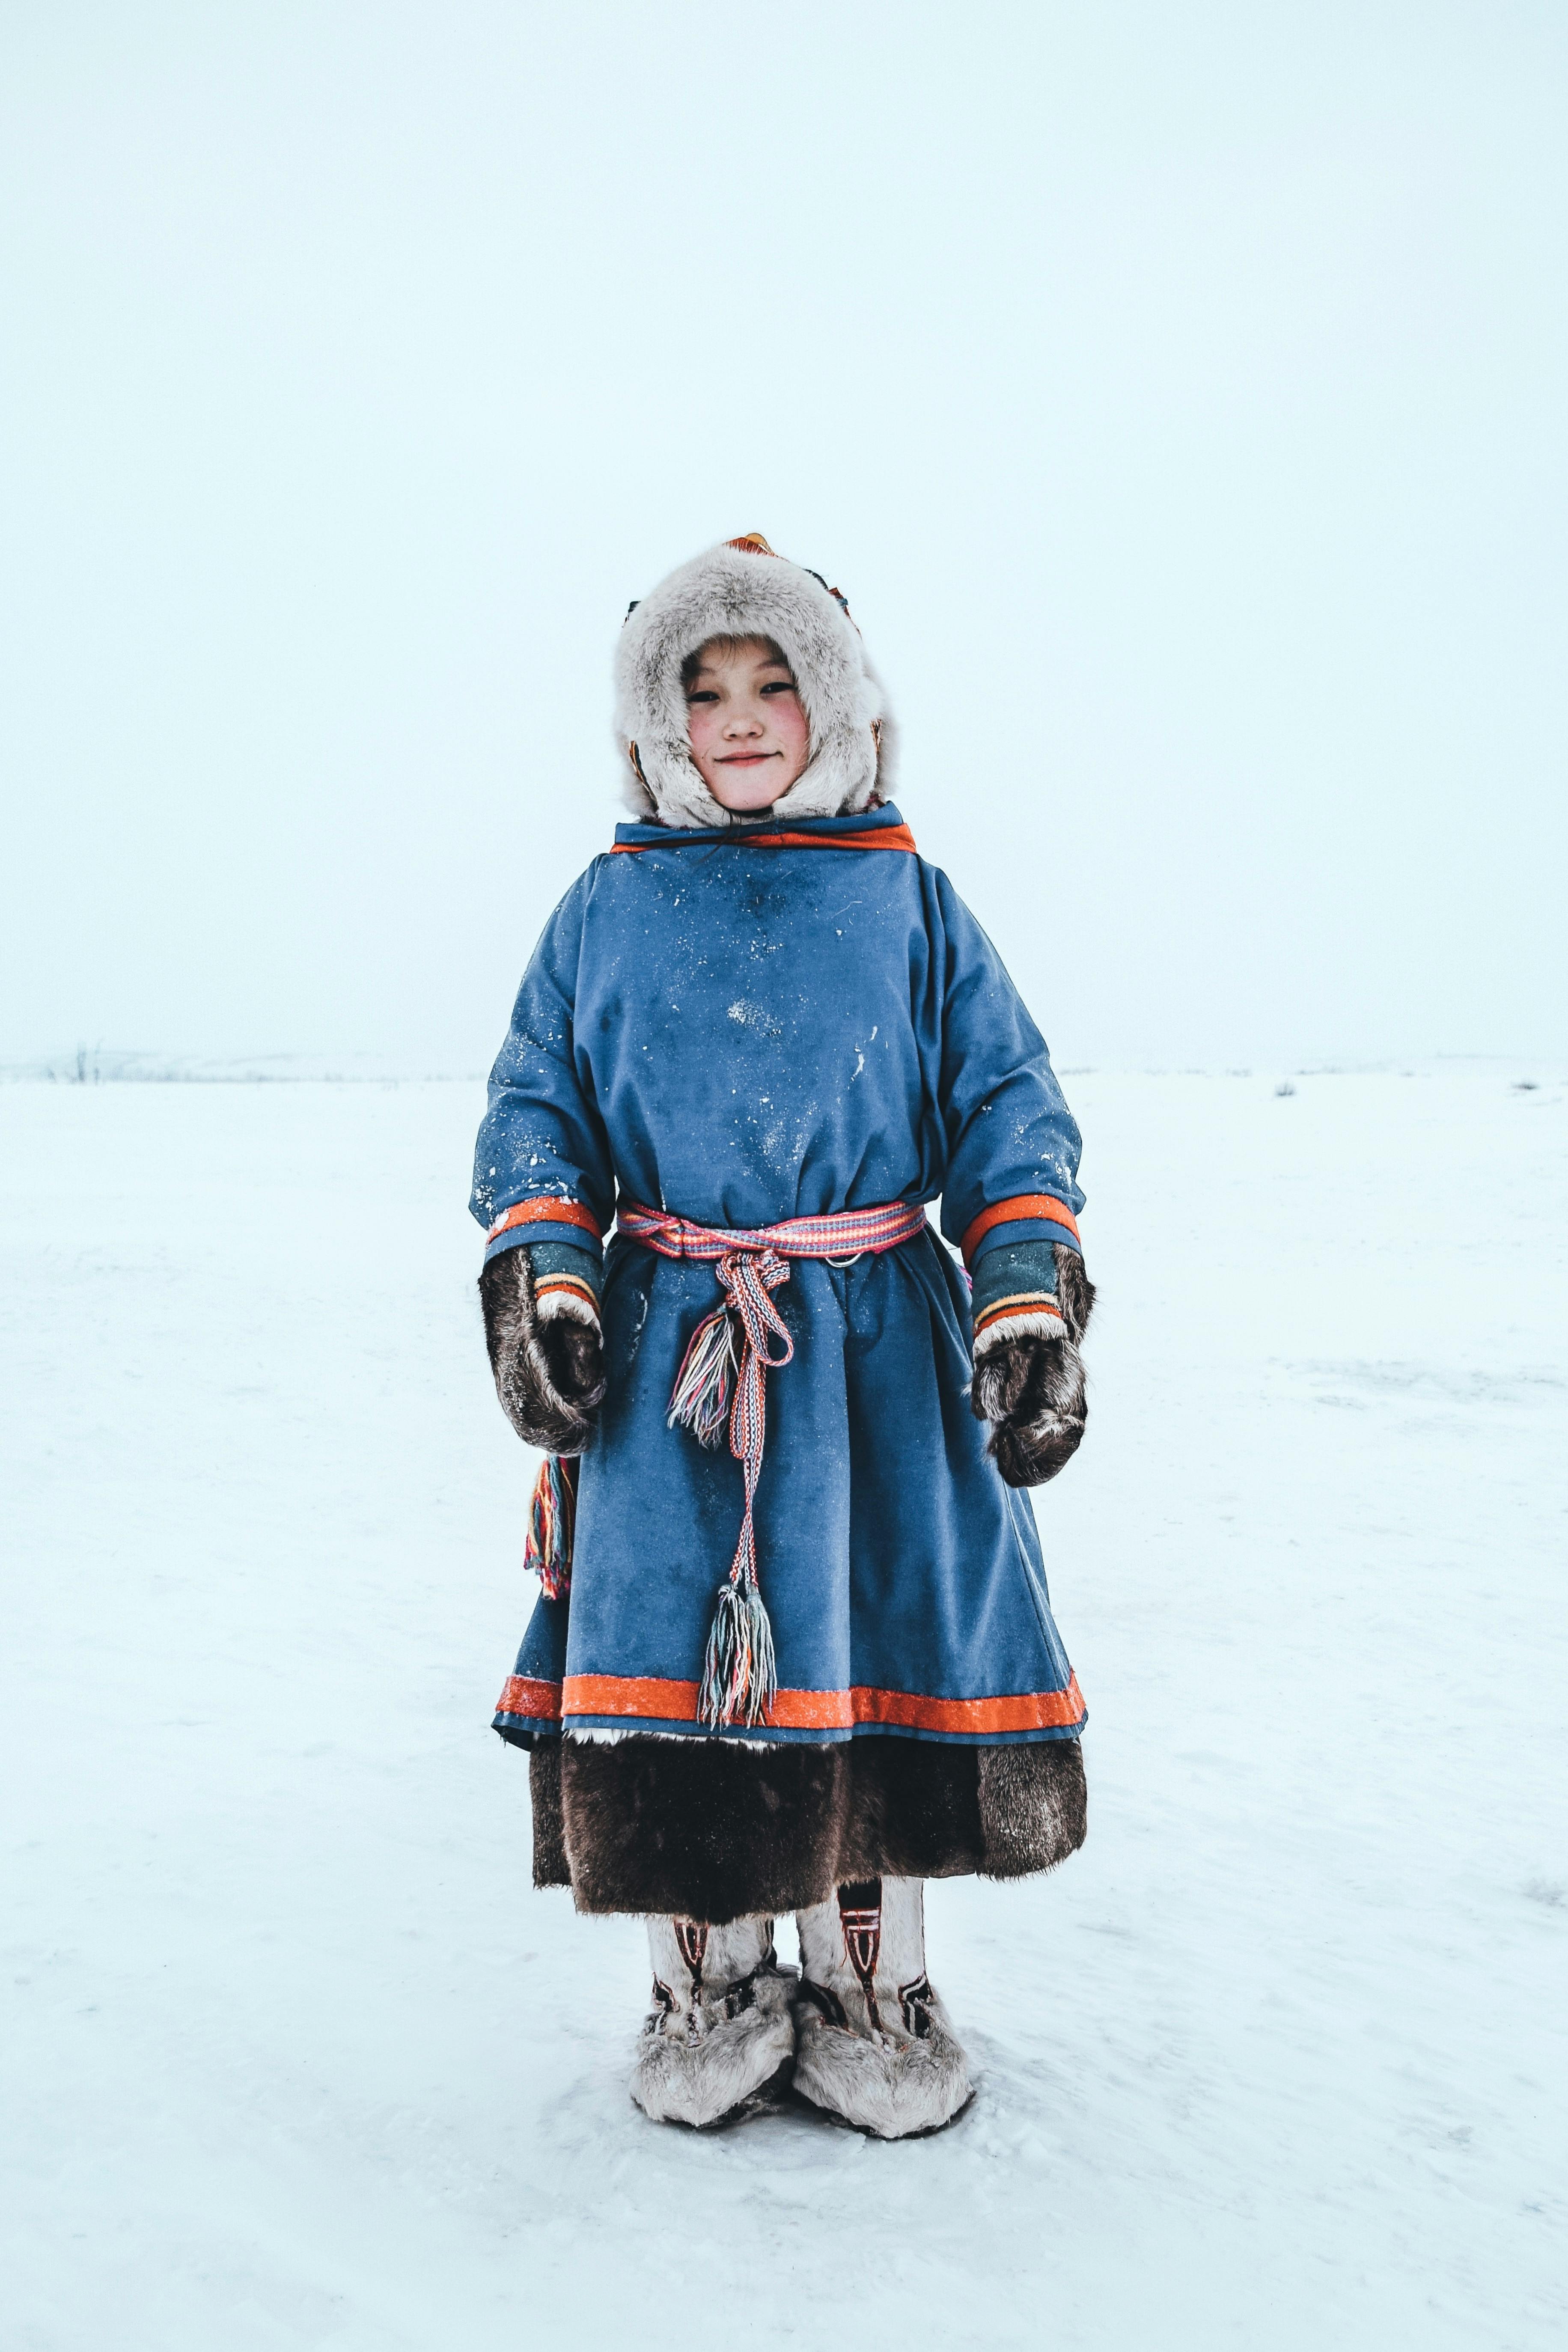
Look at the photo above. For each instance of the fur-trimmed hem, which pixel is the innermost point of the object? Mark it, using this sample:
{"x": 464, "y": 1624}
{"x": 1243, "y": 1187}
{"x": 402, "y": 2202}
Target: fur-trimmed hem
{"x": 550, "y": 1863}
{"x": 1032, "y": 1815}
{"x": 613, "y": 1734}
{"x": 710, "y": 1830}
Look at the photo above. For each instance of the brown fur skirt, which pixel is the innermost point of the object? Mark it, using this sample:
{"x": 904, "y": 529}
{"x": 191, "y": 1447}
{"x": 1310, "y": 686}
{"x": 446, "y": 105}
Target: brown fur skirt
{"x": 708, "y": 1829}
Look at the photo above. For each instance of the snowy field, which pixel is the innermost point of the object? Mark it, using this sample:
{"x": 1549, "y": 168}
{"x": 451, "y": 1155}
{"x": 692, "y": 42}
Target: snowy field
{"x": 294, "y": 2056}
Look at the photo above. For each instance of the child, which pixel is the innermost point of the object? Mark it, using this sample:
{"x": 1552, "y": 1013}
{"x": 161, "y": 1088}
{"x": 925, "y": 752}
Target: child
{"x": 796, "y": 1653}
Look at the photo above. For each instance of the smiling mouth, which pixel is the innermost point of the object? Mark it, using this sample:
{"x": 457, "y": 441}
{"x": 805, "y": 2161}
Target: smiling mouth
{"x": 746, "y": 759}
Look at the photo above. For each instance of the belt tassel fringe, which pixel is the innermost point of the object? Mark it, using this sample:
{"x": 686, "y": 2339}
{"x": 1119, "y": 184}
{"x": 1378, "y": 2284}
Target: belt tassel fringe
{"x": 724, "y": 1366}
{"x": 552, "y": 1518}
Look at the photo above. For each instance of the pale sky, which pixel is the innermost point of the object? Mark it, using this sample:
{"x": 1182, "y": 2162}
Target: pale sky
{"x": 1177, "y": 393}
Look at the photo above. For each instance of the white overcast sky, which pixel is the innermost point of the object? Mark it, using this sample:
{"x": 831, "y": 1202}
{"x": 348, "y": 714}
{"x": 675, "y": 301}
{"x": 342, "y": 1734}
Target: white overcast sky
{"x": 1177, "y": 392}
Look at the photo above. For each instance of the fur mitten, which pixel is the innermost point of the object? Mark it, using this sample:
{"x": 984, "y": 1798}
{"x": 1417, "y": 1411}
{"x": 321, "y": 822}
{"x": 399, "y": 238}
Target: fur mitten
{"x": 546, "y": 1351}
{"x": 1028, "y": 1374}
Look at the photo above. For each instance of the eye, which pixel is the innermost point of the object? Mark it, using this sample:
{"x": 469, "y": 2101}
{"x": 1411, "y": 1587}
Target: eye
{"x": 702, "y": 694}
{"x": 780, "y": 686}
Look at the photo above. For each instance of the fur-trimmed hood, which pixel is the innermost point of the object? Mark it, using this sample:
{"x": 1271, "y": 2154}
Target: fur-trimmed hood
{"x": 743, "y": 590}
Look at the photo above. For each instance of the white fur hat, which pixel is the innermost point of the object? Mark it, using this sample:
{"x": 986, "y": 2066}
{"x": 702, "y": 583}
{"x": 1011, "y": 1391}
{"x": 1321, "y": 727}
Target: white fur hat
{"x": 743, "y": 590}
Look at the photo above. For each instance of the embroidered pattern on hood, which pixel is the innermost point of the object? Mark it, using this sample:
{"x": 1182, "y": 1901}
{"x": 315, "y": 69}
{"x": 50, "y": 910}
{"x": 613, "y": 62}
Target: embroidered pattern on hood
{"x": 742, "y": 589}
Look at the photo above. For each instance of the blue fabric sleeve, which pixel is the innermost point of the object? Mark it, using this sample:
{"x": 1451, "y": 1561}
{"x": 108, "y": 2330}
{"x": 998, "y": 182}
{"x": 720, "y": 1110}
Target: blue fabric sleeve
{"x": 543, "y": 1139}
{"x": 1009, "y": 1130}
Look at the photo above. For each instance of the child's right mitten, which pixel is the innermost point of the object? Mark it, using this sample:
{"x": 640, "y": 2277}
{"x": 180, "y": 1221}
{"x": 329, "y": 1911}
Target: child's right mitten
{"x": 541, "y": 1327}
{"x": 1032, "y": 1304}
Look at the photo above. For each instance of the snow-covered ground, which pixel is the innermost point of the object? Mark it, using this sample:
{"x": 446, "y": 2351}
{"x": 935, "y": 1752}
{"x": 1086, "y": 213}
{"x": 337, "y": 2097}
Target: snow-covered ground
{"x": 294, "y": 2056}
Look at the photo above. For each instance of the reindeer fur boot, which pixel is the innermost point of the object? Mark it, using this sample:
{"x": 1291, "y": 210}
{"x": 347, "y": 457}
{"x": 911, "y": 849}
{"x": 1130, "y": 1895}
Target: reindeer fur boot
{"x": 873, "y": 2043}
{"x": 719, "y": 2038}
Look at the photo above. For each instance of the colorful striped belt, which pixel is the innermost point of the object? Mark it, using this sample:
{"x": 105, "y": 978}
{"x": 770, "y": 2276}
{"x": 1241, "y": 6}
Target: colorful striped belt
{"x": 721, "y": 1382}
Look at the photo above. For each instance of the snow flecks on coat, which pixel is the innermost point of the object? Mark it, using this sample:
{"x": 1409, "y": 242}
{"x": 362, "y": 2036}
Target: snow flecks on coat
{"x": 901, "y": 1577}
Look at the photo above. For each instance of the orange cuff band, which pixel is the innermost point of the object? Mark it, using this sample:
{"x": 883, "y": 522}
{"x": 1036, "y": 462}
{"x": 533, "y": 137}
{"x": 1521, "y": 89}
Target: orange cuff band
{"x": 1023, "y": 1207}
{"x": 542, "y": 1212}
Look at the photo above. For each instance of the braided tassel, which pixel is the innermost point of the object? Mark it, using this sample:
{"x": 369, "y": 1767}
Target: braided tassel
{"x": 740, "y": 1677}
{"x": 700, "y": 1399}
{"x": 551, "y": 1516}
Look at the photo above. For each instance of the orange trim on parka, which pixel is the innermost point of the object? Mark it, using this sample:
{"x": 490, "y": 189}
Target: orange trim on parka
{"x": 1021, "y": 1207}
{"x": 558, "y": 1212}
{"x": 649, "y": 1699}
{"x": 888, "y": 837}
{"x": 527, "y": 1695}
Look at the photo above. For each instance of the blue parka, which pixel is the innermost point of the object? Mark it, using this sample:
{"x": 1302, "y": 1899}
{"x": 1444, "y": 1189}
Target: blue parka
{"x": 743, "y": 1026}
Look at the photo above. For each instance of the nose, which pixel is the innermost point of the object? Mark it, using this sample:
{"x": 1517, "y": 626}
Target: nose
{"x": 742, "y": 722}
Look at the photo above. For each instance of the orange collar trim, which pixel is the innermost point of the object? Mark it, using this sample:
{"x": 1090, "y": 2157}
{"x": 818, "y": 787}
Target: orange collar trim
{"x": 887, "y": 836}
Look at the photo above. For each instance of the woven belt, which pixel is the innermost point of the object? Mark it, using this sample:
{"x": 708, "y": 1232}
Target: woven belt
{"x": 722, "y": 1381}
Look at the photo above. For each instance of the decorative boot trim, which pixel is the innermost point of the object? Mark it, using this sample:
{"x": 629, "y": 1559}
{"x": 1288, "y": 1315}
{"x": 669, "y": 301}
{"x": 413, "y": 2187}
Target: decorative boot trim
{"x": 719, "y": 2037}
{"x": 874, "y": 2045}
{"x": 860, "y": 1917}
{"x": 916, "y": 2001}
{"x": 692, "y": 1938}
{"x": 823, "y": 1998}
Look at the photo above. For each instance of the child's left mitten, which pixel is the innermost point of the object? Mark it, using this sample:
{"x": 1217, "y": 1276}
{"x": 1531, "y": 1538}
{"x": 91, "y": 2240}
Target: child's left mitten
{"x": 541, "y": 1327}
{"x": 1032, "y": 1305}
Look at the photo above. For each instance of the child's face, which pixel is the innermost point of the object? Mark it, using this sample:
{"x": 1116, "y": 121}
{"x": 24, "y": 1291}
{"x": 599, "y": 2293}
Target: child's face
{"x": 748, "y": 735}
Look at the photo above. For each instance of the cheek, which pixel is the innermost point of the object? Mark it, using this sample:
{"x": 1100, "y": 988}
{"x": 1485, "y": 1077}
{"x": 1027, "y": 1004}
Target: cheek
{"x": 701, "y": 725}
{"x": 790, "y": 723}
